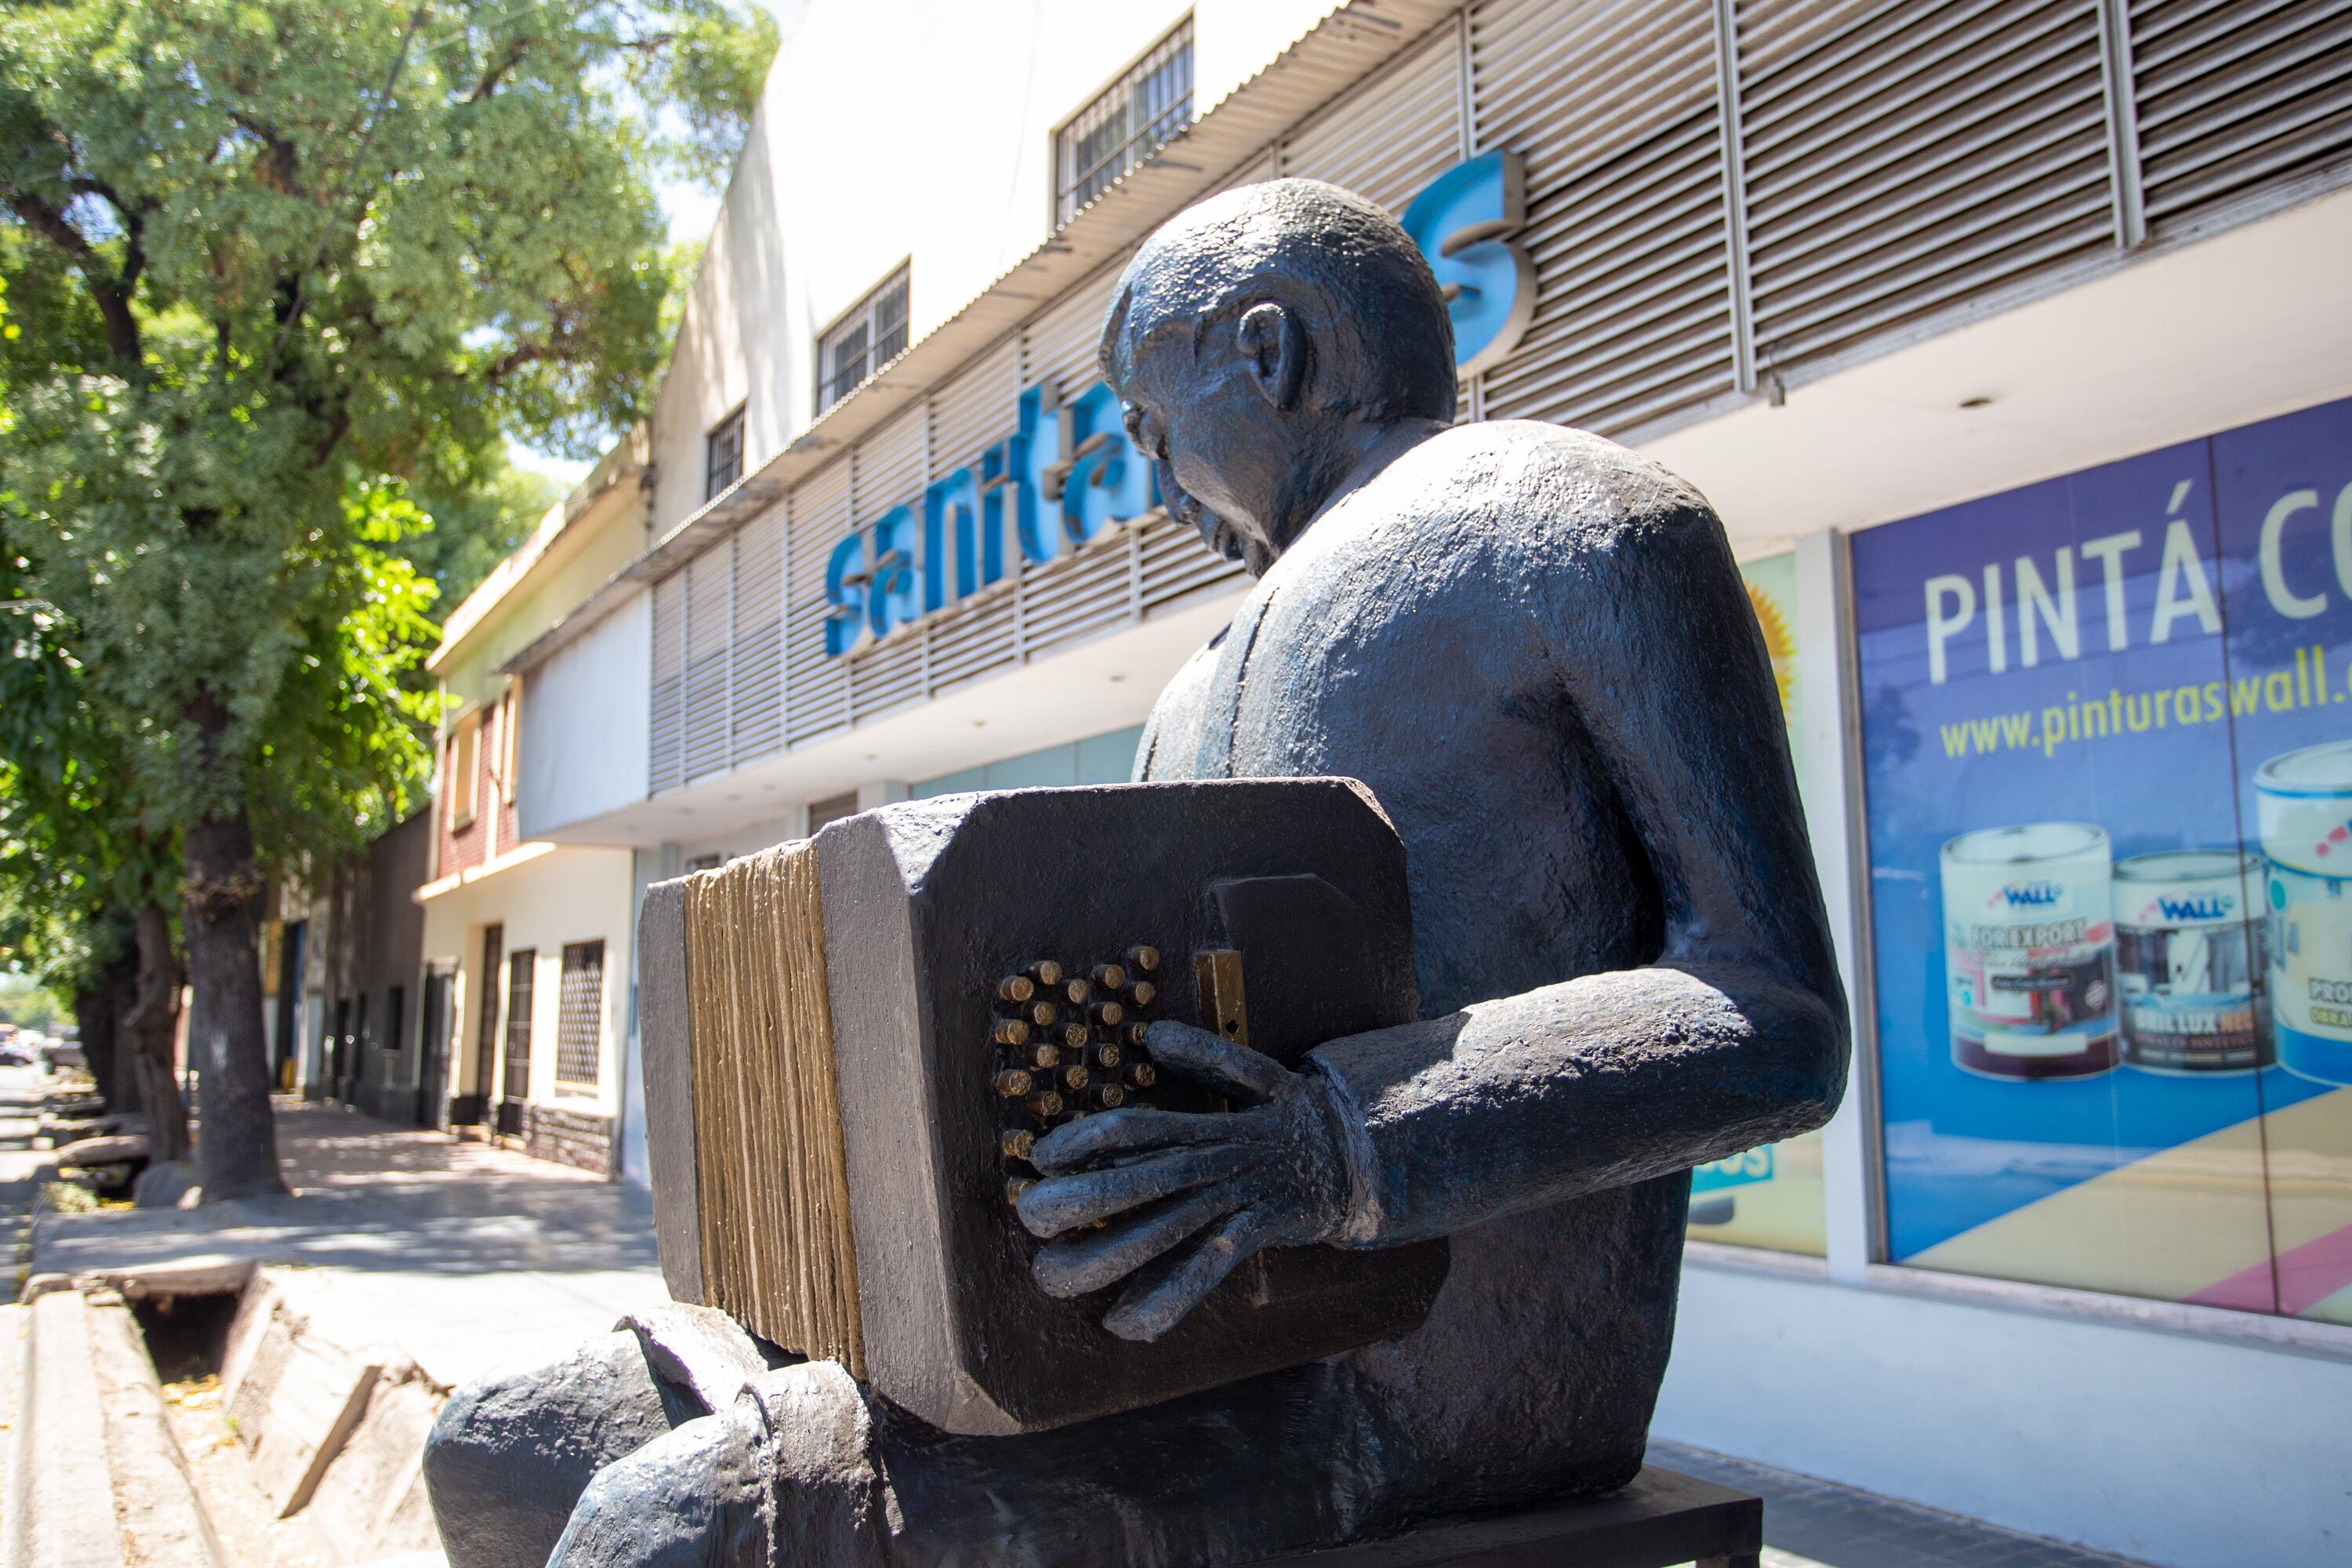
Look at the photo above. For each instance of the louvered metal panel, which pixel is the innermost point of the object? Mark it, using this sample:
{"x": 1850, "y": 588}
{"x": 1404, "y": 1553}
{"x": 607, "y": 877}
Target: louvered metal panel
{"x": 1175, "y": 563}
{"x": 1770, "y": 31}
{"x": 709, "y": 594}
{"x": 756, "y": 701}
{"x": 976, "y": 407}
{"x": 1567, "y": 85}
{"x": 1078, "y": 595}
{"x": 887, "y": 675}
{"x": 974, "y": 638}
{"x": 819, "y": 700}
{"x": 887, "y": 467}
{"x": 1395, "y": 134}
{"x": 664, "y": 763}
{"x": 1934, "y": 153}
{"x": 2233, "y": 96}
{"x": 817, "y": 693}
{"x": 1059, "y": 347}
{"x": 1612, "y": 105}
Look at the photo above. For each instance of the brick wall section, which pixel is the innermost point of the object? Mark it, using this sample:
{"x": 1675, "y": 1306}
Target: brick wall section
{"x": 470, "y": 845}
{"x": 574, "y": 1137}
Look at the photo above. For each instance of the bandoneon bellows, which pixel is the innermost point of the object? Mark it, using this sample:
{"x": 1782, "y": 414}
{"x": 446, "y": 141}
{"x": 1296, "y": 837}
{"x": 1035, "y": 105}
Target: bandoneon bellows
{"x": 851, "y": 1041}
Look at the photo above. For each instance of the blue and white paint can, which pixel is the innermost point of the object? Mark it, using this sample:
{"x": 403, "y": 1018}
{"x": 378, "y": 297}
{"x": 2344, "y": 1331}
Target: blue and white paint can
{"x": 2302, "y": 801}
{"x": 2030, "y": 951}
{"x": 2189, "y": 961}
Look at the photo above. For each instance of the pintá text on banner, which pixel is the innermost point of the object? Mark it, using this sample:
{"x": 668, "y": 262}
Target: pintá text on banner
{"x": 2047, "y": 606}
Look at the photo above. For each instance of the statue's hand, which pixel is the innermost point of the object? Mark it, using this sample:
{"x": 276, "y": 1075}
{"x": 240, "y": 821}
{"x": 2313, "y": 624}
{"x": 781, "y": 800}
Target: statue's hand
{"x": 1271, "y": 1175}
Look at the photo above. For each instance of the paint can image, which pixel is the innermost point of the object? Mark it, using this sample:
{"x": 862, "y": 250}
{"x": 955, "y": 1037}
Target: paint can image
{"x": 2029, "y": 952}
{"x": 2188, "y": 962}
{"x": 2302, "y": 801}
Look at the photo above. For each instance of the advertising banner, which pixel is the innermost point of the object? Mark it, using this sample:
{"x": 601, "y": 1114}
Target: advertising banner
{"x": 1769, "y": 1197}
{"x": 2107, "y": 757}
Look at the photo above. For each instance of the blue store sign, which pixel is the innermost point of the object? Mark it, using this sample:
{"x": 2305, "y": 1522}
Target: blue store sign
{"x": 1067, "y": 470}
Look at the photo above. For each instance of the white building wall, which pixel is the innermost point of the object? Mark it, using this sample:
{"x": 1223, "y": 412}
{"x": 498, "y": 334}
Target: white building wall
{"x": 582, "y": 750}
{"x": 903, "y": 131}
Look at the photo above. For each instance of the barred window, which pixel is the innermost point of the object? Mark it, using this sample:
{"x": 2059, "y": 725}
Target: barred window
{"x": 869, "y": 337}
{"x": 722, "y": 455}
{"x": 579, "y": 1020}
{"x": 1148, "y": 104}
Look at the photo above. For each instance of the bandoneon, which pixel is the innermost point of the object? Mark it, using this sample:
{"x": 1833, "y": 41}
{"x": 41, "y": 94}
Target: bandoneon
{"x": 851, "y": 1041}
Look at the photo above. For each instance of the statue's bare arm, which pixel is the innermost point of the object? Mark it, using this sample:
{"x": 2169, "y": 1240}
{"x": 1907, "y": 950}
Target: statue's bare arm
{"x": 1733, "y": 1036}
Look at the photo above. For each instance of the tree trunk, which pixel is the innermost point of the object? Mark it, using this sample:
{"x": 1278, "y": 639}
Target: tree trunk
{"x": 237, "y": 1150}
{"x": 99, "y": 1007}
{"x": 145, "y": 1037}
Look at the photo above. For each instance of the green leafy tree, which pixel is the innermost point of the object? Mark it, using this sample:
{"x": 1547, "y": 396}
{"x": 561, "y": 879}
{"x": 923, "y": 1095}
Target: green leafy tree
{"x": 275, "y": 261}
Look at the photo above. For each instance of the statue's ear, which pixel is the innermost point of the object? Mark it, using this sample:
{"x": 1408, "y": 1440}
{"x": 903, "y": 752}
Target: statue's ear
{"x": 1275, "y": 351}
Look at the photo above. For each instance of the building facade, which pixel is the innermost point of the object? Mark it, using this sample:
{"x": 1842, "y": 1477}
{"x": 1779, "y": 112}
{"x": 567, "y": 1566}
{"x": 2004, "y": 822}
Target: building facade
{"x": 526, "y": 945}
{"x": 2009, "y": 338}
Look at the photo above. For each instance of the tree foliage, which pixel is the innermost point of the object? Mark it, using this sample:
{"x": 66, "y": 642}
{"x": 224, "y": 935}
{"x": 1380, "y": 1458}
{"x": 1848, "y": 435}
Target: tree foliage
{"x": 276, "y": 269}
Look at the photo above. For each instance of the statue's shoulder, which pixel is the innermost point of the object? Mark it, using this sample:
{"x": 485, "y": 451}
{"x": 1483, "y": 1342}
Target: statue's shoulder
{"x": 1565, "y": 471}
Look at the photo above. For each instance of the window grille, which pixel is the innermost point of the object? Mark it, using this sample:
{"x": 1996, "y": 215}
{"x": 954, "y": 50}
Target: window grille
{"x": 579, "y": 1019}
{"x": 516, "y": 1085}
{"x": 722, "y": 455}
{"x": 869, "y": 337}
{"x": 1125, "y": 125}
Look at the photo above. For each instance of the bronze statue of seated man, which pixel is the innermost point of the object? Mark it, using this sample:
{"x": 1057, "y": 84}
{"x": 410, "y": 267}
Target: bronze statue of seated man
{"x": 1535, "y": 648}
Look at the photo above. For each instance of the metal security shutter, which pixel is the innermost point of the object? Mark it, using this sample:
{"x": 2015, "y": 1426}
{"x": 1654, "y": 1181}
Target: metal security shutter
{"x": 1611, "y": 103}
{"x": 580, "y": 1016}
{"x": 665, "y": 759}
{"x": 2231, "y": 96}
{"x": 1392, "y": 135}
{"x": 709, "y": 590}
{"x": 1930, "y": 155}
{"x": 756, "y": 705}
{"x": 818, "y": 691}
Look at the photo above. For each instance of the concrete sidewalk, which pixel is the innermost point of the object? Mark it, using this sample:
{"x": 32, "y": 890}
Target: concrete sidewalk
{"x": 462, "y": 1257}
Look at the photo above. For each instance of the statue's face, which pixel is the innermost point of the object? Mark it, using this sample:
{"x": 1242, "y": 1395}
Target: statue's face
{"x": 1220, "y": 448}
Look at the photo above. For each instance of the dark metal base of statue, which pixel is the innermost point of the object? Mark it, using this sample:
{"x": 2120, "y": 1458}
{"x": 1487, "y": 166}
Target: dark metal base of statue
{"x": 1535, "y": 648}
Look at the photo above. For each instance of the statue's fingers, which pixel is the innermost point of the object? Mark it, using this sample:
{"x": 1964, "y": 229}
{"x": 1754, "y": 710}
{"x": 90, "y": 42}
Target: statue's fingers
{"x": 1073, "y": 1268}
{"x": 1112, "y": 1134}
{"x": 1061, "y": 1203}
{"x": 1209, "y": 1059}
{"x": 1148, "y": 1309}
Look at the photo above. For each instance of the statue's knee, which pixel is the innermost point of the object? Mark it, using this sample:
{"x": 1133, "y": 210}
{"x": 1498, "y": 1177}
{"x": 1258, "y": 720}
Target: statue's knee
{"x": 512, "y": 1450}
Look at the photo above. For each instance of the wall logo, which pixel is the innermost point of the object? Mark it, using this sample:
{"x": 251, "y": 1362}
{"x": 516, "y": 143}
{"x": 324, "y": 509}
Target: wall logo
{"x": 1462, "y": 223}
{"x": 1067, "y": 470}
{"x": 2026, "y": 896}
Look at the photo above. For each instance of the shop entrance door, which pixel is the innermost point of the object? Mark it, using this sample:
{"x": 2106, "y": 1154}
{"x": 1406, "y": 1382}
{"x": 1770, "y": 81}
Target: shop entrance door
{"x": 433, "y": 1048}
{"x": 514, "y": 1086}
{"x": 476, "y": 1109}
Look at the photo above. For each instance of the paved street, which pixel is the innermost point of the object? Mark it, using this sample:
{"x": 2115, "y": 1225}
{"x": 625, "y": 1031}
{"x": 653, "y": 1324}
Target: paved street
{"x": 465, "y": 1256}
{"x": 462, "y": 1255}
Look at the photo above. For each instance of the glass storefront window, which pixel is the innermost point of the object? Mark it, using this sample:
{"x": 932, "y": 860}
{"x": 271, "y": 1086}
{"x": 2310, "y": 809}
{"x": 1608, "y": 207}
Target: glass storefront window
{"x": 1768, "y": 1197}
{"x": 2105, "y": 775}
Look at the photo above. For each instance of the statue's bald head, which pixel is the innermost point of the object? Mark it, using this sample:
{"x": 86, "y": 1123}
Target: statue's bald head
{"x": 1380, "y": 344}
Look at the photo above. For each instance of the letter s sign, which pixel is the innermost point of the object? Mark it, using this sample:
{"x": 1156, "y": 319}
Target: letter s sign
{"x": 1459, "y": 222}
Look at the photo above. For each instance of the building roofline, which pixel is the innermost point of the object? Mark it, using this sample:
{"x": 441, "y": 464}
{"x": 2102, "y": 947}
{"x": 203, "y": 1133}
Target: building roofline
{"x": 1347, "y": 45}
{"x": 627, "y": 461}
